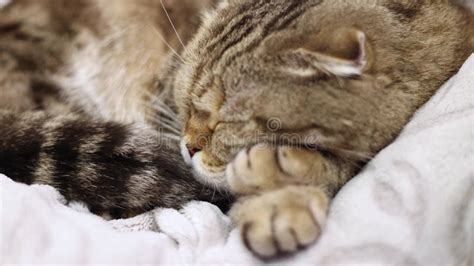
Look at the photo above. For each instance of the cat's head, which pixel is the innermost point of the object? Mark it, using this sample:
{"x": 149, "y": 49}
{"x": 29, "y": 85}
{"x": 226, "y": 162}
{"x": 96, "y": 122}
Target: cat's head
{"x": 288, "y": 72}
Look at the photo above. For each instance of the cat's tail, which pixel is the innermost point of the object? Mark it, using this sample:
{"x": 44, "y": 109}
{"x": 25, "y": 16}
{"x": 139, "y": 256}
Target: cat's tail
{"x": 114, "y": 168}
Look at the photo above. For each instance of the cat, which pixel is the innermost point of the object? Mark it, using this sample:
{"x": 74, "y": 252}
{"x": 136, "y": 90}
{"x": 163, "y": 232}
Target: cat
{"x": 279, "y": 102}
{"x": 72, "y": 100}
{"x": 324, "y": 85}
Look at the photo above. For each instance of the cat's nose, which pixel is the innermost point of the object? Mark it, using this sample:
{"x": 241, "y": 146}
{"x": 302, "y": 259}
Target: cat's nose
{"x": 192, "y": 150}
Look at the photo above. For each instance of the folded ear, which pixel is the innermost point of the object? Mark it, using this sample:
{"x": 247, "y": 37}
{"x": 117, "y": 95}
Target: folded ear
{"x": 344, "y": 52}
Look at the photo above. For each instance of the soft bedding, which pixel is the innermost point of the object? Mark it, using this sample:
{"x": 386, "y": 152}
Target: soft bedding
{"x": 4, "y": 3}
{"x": 412, "y": 205}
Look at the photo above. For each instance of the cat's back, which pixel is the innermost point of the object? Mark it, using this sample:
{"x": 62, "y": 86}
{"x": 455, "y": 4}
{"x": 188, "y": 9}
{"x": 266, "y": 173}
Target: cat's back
{"x": 101, "y": 56}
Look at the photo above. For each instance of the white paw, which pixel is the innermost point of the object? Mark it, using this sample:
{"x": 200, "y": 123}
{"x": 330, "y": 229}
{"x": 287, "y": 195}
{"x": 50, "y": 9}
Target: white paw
{"x": 265, "y": 167}
{"x": 281, "y": 222}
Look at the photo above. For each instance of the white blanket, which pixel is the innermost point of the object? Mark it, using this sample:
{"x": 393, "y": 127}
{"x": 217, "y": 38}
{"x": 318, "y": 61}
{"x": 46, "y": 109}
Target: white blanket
{"x": 4, "y": 3}
{"x": 412, "y": 205}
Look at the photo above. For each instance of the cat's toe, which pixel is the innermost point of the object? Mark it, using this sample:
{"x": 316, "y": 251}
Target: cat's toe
{"x": 280, "y": 232}
{"x": 253, "y": 169}
{"x": 282, "y": 222}
{"x": 266, "y": 167}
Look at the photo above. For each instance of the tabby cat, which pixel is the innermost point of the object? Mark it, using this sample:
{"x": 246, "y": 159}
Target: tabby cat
{"x": 279, "y": 102}
{"x": 77, "y": 88}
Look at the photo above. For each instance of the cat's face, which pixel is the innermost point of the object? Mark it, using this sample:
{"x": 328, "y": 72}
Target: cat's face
{"x": 287, "y": 72}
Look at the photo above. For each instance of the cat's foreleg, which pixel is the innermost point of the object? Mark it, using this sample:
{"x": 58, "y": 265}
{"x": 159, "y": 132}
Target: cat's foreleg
{"x": 284, "y": 196}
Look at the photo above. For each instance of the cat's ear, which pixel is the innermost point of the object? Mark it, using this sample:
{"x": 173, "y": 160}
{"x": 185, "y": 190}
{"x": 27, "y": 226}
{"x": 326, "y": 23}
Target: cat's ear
{"x": 344, "y": 53}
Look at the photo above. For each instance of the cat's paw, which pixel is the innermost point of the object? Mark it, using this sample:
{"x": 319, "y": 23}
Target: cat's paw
{"x": 281, "y": 222}
{"x": 266, "y": 167}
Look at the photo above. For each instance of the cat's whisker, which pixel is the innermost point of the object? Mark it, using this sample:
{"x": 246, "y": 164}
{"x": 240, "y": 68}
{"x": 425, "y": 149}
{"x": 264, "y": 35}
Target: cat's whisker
{"x": 166, "y": 122}
{"x": 171, "y": 137}
{"x": 214, "y": 188}
{"x": 117, "y": 35}
{"x": 166, "y": 108}
{"x": 169, "y": 45}
{"x": 159, "y": 98}
{"x": 169, "y": 61}
{"x": 170, "y": 122}
{"x": 159, "y": 108}
{"x": 163, "y": 124}
{"x": 227, "y": 195}
{"x": 157, "y": 104}
{"x": 172, "y": 24}
{"x": 170, "y": 128}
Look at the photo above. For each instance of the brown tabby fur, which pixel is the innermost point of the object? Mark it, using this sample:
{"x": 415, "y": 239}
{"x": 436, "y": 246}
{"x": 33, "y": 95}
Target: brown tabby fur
{"x": 283, "y": 101}
{"x": 73, "y": 79}
{"x": 340, "y": 79}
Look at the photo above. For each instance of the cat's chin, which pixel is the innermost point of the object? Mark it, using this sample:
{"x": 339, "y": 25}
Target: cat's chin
{"x": 216, "y": 179}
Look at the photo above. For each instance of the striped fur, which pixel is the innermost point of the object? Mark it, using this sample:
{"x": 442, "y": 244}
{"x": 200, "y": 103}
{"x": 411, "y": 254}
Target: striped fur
{"x": 112, "y": 167}
{"x": 108, "y": 142}
{"x": 324, "y": 84}
{"x": 340, "y": 78}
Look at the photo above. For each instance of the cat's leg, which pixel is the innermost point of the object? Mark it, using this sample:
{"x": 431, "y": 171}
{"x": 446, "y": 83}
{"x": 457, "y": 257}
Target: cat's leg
{"x": 265, "y": 167}
{"x": 285, "y": 196}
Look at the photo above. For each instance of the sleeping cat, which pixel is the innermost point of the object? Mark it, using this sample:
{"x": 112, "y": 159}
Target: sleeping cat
{"x": 279, "y": 102}
{"x": 78, "y": 90}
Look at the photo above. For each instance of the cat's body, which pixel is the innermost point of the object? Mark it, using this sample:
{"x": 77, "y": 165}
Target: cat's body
{"x": 76, "y": 79}
{"x": 108, "y": 56}
{"x": 323, "y": 84}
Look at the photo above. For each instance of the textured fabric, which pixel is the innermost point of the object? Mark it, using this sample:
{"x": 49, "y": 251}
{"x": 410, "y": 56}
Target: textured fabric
{"x": 4, "y": 3}
{"x": 412, "y": 205}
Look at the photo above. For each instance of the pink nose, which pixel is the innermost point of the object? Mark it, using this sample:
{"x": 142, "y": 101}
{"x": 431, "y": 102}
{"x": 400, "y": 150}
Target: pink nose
{"x": 192, "y": 150}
